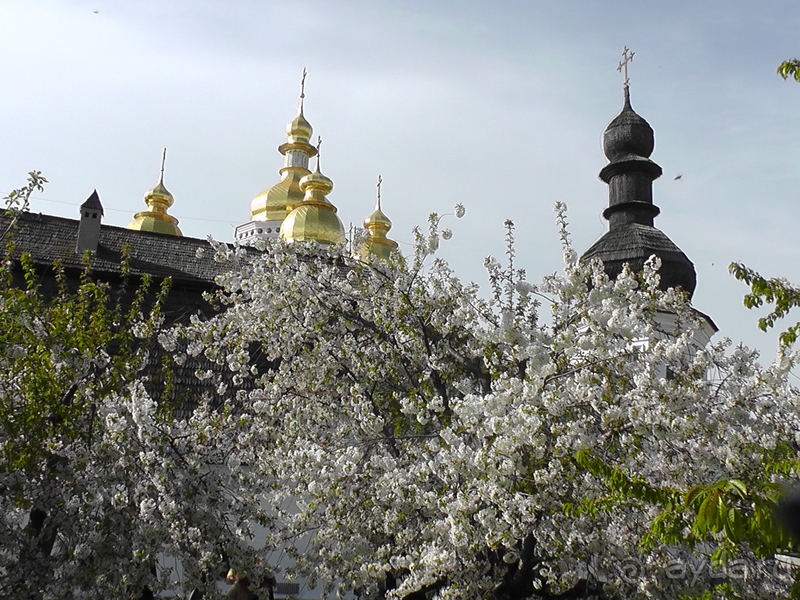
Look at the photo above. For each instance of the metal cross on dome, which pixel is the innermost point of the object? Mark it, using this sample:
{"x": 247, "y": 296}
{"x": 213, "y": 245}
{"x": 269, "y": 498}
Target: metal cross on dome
{"x": 319, "y": 145}
{"x": 378, "y": 203}
{"x": 627, "y": 56}
{"x": 302, "y": 89}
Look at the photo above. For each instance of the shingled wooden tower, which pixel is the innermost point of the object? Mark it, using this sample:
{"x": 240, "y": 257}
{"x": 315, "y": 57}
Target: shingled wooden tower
{"x": 628, "y": 142}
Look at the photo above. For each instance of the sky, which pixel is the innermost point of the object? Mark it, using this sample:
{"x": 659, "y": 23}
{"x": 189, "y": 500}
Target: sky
{"x": 499, "y": 105}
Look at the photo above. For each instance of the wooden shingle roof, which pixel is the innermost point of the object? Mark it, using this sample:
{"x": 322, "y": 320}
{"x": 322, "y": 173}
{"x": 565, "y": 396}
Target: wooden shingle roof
{"x": 47, "y": 238}
{"x": 634, "y": 243}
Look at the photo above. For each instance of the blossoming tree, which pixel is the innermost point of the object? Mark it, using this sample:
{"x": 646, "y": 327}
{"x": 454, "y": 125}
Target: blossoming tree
{"x": 396, "y": 433}
{"x": 412, "y": 439}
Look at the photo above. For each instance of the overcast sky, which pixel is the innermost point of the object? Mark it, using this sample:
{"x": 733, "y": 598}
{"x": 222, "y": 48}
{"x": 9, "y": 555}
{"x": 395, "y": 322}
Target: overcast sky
{"x": 497, "y": 104}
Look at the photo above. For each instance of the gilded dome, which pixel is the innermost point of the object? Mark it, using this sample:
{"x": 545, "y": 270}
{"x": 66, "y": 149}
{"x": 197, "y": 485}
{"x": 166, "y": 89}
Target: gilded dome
{"x": 310, "y": 222}
{"x": 378, "y": 221}
{"x": 275, "y": 203}
{"x": 161, "y": 193}
{"x": 156, "y": 219}
{"x": 315, "y": 217}
{"x": 299, "y": 130}
{"x": 316, "y": 185}
{"x": 378, "y": 225}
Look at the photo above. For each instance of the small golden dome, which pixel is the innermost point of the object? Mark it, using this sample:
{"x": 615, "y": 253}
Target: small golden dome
{"x": 315, "y": 217}
{"x": 378, "y": 225}
{"x": 158, "y": 200}
{"x": 299, "y": 130}
{"x": 378, "y": 222}
{"x": 316, "y": 185}
{"x": 160, "y": 194}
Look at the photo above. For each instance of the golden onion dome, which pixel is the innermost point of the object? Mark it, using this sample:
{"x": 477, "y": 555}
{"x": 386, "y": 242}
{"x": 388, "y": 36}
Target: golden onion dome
{"x": 378, "y": 222}
{"x": 316, "y": 185}
{"x": 378, "y": 225}
{"x": 158, "y": 200}
{"x": 161, "y": 193}
{"x": 312, "y": 223}
{"x": 299, "y": 130}
{"x": 315, "y": 217}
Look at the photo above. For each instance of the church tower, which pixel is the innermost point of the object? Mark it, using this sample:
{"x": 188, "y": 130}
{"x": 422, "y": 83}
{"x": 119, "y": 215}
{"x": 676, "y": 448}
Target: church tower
{"x": 628, "y": 142}
{"x": 269, "y": 208}
{"x": 632, "y": 238}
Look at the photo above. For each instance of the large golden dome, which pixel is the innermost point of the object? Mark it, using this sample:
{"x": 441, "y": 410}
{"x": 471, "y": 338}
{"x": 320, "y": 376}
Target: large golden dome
{"x": 275, "y": 203}
{"x": 315, "y": 217}
{"x": 156, "y": 219}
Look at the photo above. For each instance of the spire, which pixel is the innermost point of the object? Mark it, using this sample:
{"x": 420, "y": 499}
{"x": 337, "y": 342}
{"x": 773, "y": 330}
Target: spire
{"x": 275, "y": 203}
{"x": 315, "y": 217}
{"x": 628, "y": 142}
{"x": 93, "y": 203}
{"x": 378, "y": 225}
{"x": 158, "y": 200}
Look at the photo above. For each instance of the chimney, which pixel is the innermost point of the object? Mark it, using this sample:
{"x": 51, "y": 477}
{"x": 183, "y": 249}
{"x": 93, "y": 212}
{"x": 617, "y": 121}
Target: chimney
{"x": 89, "y": 227}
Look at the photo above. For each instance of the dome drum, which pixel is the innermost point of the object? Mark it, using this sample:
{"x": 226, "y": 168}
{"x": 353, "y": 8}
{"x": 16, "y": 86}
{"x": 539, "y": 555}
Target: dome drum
{"x": 632, "y": 187}
{"x": 302, "y": 147}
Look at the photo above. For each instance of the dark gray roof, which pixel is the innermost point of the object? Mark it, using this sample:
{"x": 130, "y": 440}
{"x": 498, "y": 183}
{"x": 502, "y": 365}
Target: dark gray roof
{"x": 634, "y": 243}
{"x": 47, "y": 238}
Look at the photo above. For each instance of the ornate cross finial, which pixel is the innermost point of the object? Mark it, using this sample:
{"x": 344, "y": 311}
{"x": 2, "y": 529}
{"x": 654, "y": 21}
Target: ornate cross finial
{"x": 302, "y": 88}
{"x": 378, "y": 204}
{"x": 319, "y": 144}
{"x": 163, "y": 161}
{"x": 627, "y": 56}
